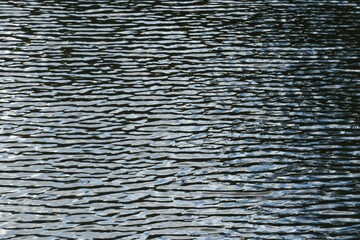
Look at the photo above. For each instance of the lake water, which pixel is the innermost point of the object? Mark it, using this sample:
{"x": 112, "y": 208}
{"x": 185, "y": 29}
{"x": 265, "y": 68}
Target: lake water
{"x": 217, "y": 119}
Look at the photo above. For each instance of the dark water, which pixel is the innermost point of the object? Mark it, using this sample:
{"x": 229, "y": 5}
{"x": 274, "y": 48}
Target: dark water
{"x": 179, "y": 119}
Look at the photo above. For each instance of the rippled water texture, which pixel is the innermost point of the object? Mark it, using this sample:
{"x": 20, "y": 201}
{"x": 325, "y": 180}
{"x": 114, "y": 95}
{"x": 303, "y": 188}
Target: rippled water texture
{"x": 218, "y": 119}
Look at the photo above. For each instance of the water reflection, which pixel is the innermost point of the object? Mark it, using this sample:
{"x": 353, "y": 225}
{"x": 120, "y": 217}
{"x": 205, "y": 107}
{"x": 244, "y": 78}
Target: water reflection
{"x": 179, "y": 120}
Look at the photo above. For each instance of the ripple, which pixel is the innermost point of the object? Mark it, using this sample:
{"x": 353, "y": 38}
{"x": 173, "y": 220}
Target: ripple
{"x": 179, "y": 119}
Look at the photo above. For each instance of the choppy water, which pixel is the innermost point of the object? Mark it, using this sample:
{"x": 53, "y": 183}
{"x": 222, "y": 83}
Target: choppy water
{"x": 212, "y": 119}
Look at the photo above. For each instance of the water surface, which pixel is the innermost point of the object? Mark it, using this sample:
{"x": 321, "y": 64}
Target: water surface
{"x": 179, "y": 119}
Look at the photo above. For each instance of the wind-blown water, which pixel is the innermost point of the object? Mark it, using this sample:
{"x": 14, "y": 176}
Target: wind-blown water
{"x": 218, "y": 119}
